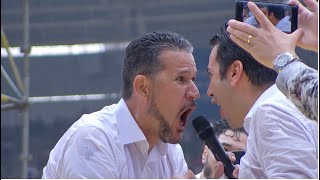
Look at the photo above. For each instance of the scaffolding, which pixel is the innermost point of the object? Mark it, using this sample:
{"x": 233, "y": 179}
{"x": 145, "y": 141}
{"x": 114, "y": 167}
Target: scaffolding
{"x": 21, "y": 88}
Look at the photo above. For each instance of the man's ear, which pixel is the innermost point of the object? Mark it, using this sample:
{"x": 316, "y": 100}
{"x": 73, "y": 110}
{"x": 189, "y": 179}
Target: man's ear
{"x": 140, "y": 85}
{"x": 235, "y": 72}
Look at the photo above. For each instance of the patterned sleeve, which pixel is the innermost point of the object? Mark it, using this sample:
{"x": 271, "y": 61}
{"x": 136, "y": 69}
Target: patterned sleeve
{"x": 299, "y": 83}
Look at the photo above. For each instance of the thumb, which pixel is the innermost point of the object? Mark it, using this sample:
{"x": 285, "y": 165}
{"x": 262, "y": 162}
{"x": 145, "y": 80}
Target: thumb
{"x": 189, "y": 175}
{"x": 296, "y": 35}
{"x": 219, "y": 170}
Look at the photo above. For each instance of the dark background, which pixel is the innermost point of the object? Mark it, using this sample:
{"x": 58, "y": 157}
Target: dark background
{"x": 55, "y": 22}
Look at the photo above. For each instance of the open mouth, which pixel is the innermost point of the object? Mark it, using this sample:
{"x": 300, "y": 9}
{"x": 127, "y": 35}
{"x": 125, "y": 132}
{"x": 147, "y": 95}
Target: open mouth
{"x": 184, "y": 117}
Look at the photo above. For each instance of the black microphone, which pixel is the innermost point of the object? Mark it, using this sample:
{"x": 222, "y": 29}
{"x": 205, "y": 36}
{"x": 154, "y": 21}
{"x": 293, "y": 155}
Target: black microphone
{"x": 207, "y": 134}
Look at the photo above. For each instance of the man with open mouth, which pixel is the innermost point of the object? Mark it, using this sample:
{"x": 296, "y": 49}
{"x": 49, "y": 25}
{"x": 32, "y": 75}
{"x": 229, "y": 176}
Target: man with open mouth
{"x": 137, "y": 137}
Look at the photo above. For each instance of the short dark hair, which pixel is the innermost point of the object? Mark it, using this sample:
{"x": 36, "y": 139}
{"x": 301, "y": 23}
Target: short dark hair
{"x": 221, "y": 126}
{"x": 278, "y": 12}
{"x": 228, "y": 52}
{"x": 142, "y": 56}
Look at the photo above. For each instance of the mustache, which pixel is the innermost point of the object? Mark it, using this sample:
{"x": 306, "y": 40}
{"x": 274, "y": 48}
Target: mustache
{"x": 188, "y": 105}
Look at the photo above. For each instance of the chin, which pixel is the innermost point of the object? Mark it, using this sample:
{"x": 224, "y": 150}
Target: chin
{"x": 233, "y": 124}
{"x": 175, "y": 140}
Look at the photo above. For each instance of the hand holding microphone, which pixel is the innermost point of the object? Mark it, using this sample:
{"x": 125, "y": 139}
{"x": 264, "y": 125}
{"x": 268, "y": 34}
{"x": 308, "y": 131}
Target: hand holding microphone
{"x": 207, "y": 134}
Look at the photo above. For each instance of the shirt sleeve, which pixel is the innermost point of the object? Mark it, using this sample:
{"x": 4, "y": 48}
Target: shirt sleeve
{"x": 89, "y": 154}
{"x": 299, "y": 83}
{"x": 284, "y": 148}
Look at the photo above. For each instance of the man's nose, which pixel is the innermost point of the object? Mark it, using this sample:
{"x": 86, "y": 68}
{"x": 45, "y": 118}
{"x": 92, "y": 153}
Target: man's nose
{"x": 193, "y": 92}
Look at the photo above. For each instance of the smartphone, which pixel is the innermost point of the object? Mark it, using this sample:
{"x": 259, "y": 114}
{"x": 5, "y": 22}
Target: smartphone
{"x": 238, "y": 155}
{"x": 283, "y": 16}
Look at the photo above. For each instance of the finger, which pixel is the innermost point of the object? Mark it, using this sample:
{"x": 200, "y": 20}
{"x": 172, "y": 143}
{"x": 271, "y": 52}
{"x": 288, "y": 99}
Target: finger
{"x": 219, "y": 170}
{"x": 235, "y": 172}
{"x": 312, "y": 5}
{"x": 240, "y": 34}
{"x": 189, "y": 175}
{"x": 243, "y": 44}
{"x": 301, "y": 7}
{"x": 296, "y": 35}
{"x": 231, "y": 156}
{"x": 263, "y": 20}
{"x": 243, "y": 27}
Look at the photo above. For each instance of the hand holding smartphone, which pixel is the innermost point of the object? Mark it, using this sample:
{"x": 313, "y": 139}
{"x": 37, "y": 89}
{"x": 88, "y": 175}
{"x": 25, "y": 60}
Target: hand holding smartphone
{"x": 282, "y": 16}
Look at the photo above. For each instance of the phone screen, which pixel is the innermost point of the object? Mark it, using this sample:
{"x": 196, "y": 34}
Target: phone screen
{"x": 282, "y": 16}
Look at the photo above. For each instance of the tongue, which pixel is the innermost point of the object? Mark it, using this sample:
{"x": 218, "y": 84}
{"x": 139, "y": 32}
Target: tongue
{"x": 221, "y": 113}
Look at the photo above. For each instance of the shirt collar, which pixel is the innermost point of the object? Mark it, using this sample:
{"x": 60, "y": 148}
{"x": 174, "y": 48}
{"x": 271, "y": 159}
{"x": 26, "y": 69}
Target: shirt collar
{"x": 162, "y": 147}
{"x": 129, "y": 131}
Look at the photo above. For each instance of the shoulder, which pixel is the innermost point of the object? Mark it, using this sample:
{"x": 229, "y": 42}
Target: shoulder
{"x": 99, "y": 127}
{"x": 277, "y": 111}
{"x": 104, "y": 120}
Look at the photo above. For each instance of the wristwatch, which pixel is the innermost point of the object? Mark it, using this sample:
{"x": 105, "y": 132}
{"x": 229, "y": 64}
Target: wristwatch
{"x": 283, "y": 60}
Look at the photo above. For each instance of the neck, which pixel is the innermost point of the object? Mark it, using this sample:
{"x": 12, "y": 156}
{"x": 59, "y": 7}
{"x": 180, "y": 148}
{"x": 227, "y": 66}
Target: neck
{"x": 249, "y": 96}
{"x": 145, "y": 122}
{"x": 255, "y": 93}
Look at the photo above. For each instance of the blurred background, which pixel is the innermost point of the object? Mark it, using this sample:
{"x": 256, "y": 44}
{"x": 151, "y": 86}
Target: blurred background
{"x": 78, "y": 49}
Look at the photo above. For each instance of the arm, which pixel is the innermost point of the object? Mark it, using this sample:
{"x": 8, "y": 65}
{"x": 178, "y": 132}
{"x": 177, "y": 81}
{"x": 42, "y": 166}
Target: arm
{"x": 299, "y": 83}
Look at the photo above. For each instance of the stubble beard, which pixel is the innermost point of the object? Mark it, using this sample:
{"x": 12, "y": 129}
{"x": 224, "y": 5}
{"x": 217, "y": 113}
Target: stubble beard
{"x": 165, "y": 133}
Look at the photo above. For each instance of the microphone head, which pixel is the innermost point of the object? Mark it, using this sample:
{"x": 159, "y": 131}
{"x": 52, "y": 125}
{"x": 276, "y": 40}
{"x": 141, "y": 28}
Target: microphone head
{"x": 200, "y": 123}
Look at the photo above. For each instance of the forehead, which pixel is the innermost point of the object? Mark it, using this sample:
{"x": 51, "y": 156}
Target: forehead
{"x": 229, "y": 136}
{"x": 178, "y": 59}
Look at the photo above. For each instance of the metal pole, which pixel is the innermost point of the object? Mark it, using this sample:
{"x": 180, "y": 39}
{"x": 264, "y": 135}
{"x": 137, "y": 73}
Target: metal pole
{"x": 5, "y": 43}
{"x": 25, "y": 110}
{"x": 74, "y": 98}
{"x": 6, "y": 99}
{"x": 6, "y": 77}
{"x": 9, "y": 106}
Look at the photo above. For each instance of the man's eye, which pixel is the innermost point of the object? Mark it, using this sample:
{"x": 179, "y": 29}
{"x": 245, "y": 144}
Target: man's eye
{"x": 181, "y": 79}
{"x": 226, "y": 149}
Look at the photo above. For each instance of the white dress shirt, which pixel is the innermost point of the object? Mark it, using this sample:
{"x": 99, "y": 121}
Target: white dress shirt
{"x": 110, "y": 144}
{"x": 282, "y": 142}
{"x": 252, "y": 21}
{"x": 284, "y": 24}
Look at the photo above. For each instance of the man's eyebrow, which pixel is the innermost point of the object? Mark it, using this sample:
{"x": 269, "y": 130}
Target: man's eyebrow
{"x": 182, "y": 71}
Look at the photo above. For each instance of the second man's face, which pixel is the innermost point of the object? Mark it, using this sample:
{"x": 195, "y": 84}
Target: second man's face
{"x": 221, "y": 91}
